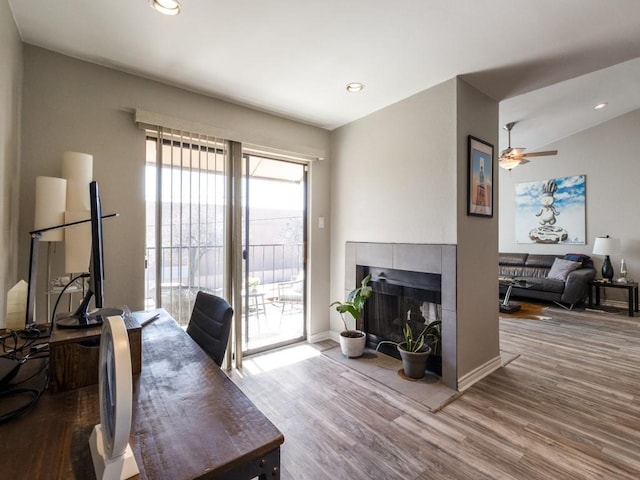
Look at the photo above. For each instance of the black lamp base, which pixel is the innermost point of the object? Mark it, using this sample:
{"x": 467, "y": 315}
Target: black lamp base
{"x": 607, "y": 269}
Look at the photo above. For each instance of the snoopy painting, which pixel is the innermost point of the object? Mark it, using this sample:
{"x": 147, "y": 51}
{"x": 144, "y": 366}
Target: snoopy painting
{"x": 551, "y": 211}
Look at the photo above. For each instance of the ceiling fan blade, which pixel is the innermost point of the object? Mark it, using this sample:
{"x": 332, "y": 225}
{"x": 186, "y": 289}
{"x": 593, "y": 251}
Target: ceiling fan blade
{"x": 540, "y": 154}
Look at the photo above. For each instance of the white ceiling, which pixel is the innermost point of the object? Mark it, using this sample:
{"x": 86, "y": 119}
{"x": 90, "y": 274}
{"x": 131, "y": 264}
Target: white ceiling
{"x": 548, "y": 61}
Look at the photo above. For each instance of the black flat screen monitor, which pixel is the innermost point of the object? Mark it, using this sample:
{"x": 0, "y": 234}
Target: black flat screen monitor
{"x": 82, "y": 317}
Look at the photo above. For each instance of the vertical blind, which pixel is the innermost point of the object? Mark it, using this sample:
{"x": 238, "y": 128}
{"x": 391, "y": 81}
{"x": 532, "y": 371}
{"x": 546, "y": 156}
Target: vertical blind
{"x": 186, "y": 188}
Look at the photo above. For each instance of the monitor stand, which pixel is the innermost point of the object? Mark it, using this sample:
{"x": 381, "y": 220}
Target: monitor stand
{"x": 90, "y": 320}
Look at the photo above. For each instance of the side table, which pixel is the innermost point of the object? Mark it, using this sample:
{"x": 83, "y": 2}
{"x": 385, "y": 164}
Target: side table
{"x": 630, "y": 287}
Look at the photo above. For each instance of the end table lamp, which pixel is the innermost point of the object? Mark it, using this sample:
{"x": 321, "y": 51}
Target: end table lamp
{"x": 606, "y": 246}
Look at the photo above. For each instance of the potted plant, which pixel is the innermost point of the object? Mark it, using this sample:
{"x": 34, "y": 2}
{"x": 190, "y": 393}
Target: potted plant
{"x": 433, "y": 339}
{"x": 253, "y": 283}
{"x": 352, "y": 342}
{"x": 414, "y": 351}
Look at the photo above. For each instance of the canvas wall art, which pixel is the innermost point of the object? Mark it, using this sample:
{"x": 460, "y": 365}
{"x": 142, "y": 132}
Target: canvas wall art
{"x": 551, "y": 211}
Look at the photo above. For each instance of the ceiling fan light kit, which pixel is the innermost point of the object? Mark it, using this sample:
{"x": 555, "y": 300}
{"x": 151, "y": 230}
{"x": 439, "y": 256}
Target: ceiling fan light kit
{"x": 511, "y": 157}
{"x": 166, "y": 7}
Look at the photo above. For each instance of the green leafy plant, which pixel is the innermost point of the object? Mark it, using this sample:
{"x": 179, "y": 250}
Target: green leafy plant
{"x": 433, "y": 336}
{"x": 429, "y": 336}
{"x": 354, "y": 305}
{"x": 410, "y": 344}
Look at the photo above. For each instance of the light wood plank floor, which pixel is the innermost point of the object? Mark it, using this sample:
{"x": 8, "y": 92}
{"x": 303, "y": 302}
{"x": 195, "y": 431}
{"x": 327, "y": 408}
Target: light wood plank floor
{"x": 567, "y": 408}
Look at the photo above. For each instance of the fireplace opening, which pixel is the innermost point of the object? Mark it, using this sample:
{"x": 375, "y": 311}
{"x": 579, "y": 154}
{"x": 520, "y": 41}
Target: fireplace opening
{"x": 399, "y": 297}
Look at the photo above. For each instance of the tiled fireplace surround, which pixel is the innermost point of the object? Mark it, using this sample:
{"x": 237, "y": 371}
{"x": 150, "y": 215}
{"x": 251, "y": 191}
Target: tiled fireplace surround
{"x": 426, "y": 258}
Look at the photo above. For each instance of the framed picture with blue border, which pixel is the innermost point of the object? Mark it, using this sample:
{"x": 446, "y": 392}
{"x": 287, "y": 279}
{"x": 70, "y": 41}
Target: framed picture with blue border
{"x": 480, "y": 178}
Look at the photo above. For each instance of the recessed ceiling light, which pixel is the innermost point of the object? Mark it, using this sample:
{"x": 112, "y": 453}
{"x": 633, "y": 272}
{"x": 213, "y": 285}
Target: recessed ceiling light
{"x": 168, "y": 7}
{"x": 600, "y": 106}
{"x": 354, "y": 87}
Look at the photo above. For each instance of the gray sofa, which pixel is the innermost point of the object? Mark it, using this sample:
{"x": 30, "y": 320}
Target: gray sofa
{"x": 533, "y": 269}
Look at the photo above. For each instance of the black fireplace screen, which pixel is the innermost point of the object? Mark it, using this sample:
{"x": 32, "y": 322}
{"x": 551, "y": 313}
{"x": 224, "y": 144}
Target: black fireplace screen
{"x": 399, "y": 297}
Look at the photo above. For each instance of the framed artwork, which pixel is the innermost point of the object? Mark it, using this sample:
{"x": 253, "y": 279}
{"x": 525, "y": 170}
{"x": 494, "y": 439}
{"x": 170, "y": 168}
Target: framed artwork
{"x": 551, "y": 211}
{"x": 480, "y": 178}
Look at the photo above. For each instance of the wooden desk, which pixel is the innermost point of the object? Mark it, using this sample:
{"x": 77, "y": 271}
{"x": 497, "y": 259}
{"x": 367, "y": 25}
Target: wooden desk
{"x": 189, "y": 421}
{"x": 74, "y": 355}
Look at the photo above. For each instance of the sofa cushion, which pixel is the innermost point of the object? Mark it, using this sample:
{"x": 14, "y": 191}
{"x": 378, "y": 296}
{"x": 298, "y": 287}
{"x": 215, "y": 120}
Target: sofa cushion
{"x": 544, "y": 284}
{"x": 515, "y": 259}
{"x": 561, "y": 269}
{"x": 540, "y": 261}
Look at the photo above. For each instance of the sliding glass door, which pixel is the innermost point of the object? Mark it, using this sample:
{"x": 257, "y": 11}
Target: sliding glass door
{"x": 274, "y": 253}
{"x": 196, "y": 197}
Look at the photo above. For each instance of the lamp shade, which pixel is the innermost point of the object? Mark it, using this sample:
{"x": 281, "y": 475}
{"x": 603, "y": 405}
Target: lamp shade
{"x": 77, "y": 168}
{"x": 51, "y": 194}
{"x": 606, "y": 246}
{"x": 77, "y": 243}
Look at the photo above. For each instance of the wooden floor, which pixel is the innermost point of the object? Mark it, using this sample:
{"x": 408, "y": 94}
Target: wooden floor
{"x": 567, "y": 408}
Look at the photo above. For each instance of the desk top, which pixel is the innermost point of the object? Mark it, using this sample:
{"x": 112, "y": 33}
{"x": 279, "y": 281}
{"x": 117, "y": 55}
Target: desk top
{"x": 189, "y": 419}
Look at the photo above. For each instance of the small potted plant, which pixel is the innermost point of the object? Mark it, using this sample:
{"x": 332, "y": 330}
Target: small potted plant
{"x": 253, "y": 283}
{"x": 433, "y": 339}
{"x": 414, "y": 351}
{"x": 352, "y": 342}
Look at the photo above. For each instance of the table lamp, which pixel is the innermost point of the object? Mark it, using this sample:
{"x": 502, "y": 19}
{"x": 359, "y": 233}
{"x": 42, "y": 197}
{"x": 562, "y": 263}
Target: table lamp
{"x": 77, "y": 169}
{"x": 50, "y": 205}
{"x": 606, "y": 246}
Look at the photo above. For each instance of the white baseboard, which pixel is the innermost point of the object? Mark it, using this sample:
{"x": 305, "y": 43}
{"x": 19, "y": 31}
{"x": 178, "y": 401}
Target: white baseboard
{"x": 335, "y": 336}
{"x": 479, "y": 373}
{"x": 319, "y": 337}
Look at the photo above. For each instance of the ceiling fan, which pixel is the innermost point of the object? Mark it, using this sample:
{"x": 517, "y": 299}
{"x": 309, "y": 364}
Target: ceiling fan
{"x": 511, "y": 157}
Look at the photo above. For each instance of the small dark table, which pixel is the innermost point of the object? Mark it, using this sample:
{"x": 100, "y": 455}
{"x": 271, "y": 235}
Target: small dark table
{"x": 630, "y": 287}
{"x": 506, "y": 306}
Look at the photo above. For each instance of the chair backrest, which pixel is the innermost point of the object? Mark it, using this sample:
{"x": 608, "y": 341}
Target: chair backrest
{"x": 210, "y": 324}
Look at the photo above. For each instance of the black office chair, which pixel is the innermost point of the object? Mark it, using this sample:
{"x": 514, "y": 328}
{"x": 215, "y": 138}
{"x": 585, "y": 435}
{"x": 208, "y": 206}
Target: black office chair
{"x": 210, "y": 324}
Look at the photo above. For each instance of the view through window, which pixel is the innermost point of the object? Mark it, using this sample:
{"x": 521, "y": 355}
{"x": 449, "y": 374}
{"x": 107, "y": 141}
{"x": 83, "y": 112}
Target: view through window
{"x": 185, "y": 201}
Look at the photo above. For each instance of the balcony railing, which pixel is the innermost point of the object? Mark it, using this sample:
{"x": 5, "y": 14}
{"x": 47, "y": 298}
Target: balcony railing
{"x": 188, "y": 269}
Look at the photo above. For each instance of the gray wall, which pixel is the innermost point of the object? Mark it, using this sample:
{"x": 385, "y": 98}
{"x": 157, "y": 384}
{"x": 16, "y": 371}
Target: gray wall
{"x": 10, "y": 96}
{"x": 399, "y": 176}
{"x": 608, "y": 155}
{"x": 75, "y": 105}
{"x": 477, "y": 237}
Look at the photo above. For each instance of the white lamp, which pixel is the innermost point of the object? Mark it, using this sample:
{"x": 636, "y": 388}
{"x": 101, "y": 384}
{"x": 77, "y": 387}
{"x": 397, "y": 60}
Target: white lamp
{"x": 77, "y": 168}
{"x": 606, "y": 246}
{"x": 51, "y": 201}
{"x": 77, "y": 243}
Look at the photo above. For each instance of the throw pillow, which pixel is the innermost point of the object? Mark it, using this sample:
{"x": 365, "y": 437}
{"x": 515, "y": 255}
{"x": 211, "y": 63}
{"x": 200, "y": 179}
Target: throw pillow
{"x": 585, "y": 260}
{"x": 561, "y": 269}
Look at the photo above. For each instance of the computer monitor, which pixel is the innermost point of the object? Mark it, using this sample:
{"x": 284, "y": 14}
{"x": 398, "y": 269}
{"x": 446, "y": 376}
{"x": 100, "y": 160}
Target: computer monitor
{"x": 30, "y": 323}
{"x": 82, "y": 317}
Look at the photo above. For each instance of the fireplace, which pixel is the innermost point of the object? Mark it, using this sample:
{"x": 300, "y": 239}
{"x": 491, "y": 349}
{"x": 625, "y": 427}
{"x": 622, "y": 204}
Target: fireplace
{"x": 438, "y": 262}
{"x": 399, "y": 297}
